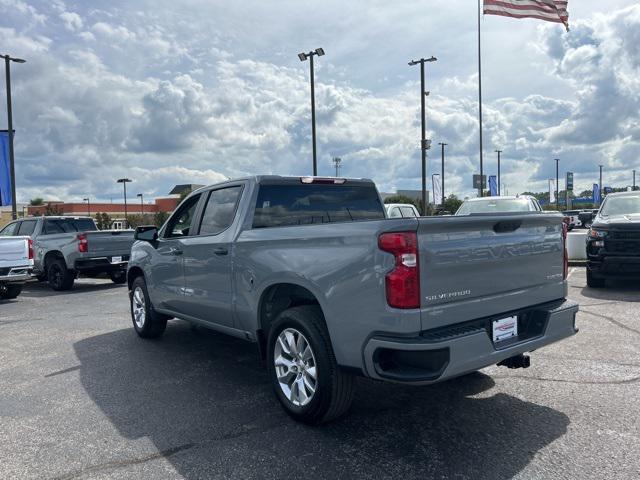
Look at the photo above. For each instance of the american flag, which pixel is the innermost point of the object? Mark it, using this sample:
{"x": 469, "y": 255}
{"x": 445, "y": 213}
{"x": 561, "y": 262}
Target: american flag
{"x": 549, "y": 10}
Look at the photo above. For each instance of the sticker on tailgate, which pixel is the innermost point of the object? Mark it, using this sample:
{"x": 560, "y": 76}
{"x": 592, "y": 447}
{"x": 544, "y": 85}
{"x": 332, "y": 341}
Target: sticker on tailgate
{"x": 505, "y": 328}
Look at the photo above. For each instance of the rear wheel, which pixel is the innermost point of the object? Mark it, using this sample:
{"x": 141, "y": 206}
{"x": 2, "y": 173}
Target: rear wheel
{"x": 305, "y": 376}
{"x": 146, "y": 321}
{"x": 118, "y": 276}
{"x": 594, "y": 282}
{"x": 59, "y": 277}
{"x": 9, "y": 291}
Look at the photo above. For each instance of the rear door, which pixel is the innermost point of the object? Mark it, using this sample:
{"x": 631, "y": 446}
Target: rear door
{"x": 208, "y": 293}
{"x": 478, "y": 265}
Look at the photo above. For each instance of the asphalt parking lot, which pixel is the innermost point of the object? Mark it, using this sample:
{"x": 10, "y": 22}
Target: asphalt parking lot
{"x": 81, "y": 396}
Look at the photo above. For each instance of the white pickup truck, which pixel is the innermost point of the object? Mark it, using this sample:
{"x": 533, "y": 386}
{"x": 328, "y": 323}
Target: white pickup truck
{"x": 16, "y": 265}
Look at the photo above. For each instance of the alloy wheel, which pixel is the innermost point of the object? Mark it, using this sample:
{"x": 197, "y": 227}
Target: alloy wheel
{"x": 295, "y": 366}
{"x": 139, "y": 307}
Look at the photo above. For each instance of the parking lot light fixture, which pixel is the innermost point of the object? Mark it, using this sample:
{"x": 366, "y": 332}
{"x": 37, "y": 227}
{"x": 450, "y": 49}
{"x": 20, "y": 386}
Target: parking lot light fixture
{"x": 303, "y": 57}
{"x": 12, "y": 168}
{"x": 88, "y": 206}
{"x": 141, "y": 203}
{"x": 124, "y": 182}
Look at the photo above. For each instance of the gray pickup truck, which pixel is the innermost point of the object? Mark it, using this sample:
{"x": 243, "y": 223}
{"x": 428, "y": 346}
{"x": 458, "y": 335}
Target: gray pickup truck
{"x": 312, "y": 271}
{"x": 66, "y": 246}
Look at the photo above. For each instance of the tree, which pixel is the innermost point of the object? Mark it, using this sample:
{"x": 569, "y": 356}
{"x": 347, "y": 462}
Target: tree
{"x": 402, "y": 199}
{"x": 36, "y": 202}
{"x": 103, "y": 221}
{"x": 137, "y": 220}
{"x": 451, "y": 204}
{"x": 159, "y": 218}
{"x": 52, "y": 210}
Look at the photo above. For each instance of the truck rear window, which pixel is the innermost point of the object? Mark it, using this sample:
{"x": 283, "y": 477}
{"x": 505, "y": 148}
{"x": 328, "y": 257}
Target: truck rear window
{"x": 68, "y": 225}
{"x": 285, "y": 205}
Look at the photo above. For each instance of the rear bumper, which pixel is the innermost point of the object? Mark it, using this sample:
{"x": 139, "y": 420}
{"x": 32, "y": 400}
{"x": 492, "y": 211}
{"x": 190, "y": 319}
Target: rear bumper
{"x": 15, "y": 274}
{"x": 464, "y": 348}
{"x": 100, "y": 264}
{"x": 614, "y": 266}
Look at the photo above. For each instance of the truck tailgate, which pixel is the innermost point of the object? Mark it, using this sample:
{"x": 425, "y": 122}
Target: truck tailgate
{"x": 482, "y": 265}
{"x": 106, "y": 243}
{"x": 14, "y": 252}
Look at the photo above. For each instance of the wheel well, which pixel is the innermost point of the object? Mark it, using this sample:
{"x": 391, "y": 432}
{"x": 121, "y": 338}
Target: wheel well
{"x": 132, "y": 274}
{"x": 52, "y": 255}
{"x": 276, "y": 299}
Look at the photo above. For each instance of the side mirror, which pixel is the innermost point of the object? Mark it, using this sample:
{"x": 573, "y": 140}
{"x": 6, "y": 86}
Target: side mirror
{"x": 146, "y": 233}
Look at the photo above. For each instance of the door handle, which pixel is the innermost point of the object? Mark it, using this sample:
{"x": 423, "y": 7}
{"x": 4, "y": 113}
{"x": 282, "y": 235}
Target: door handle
{"x": 220, "y": 251}
{"x": 175, "y": 251}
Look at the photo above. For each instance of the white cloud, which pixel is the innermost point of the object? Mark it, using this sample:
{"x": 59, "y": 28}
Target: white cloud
{"x": 72, "y": 21}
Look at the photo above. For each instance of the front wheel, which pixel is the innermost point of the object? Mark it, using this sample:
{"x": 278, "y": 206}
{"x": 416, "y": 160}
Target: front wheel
{"x": 305, "y": 376}
{"x": 9, "y": 291}
{"x": 146, "y": 321}
{"x": 594, "y": 282}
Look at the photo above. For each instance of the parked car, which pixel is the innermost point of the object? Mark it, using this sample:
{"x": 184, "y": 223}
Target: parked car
{"x": 613, "y": 241}
{"x": 312, "y": 272}
{"x": 66, "y": 246}
{"x": 401, "y": 210}
{"x": 521, "y": 203}
{"x": 16, "y": 264}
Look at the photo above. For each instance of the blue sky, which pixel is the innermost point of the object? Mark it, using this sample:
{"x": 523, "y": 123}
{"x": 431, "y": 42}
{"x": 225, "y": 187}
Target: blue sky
{"x": 195, "y": 91}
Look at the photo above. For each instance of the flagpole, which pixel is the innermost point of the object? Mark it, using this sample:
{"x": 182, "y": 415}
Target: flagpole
{"x": 480, "y": 99}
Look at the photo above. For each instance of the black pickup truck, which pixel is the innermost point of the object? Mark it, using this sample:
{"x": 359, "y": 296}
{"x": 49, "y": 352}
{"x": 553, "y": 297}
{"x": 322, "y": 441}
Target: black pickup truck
{"x": 613, "y": 241}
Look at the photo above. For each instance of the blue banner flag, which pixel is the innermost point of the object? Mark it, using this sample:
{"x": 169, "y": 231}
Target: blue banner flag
{"x": 596, "y": 193}
{"x": 493, "y": 186}
{"x": 5, "y": 171}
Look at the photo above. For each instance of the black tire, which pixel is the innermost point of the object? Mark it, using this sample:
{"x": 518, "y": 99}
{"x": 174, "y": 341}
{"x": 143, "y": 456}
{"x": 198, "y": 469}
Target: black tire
{"x": 153, "y": 324}
{"x": 59, "y": 277}
{"x": 42, "y": 277}
{"x": 9, "y": 291}
{"x": 334, "y": 389}
{"x": 594, "y": 282}
{"x": 118, "y": 276}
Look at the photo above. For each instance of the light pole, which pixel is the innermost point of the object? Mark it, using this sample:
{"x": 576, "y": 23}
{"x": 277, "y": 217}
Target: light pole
{"x": 141, "y": 203}
{"x": 442, "y": 145}
{"x": 124, "y": 182}
{"x": 12, "y": 166}
{"x": 557, "y": 185}
{"x": 424, "y": 143}
{"x": 634, "y": 181}
{"x": 600, "y": 183}
{"x": 336, "y": 162}
{"x": 498, "y": 152}
{"x": 303, "y": 56}
{"x": 88, "y": 206}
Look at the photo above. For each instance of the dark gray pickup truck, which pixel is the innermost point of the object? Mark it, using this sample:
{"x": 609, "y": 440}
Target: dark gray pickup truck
{"x": 312, "y": 271}
{"x": 66, "y": 246}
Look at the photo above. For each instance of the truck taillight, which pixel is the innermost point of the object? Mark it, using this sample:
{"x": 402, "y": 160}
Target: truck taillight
{"x": 403, "y": 282}
{"x": 565, "y": 253}
{"x": 83, "y": 244}
{"x": 30, "y": 249}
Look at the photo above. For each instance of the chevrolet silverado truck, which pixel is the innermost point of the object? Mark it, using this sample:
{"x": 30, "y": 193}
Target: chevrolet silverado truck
{"x": 16, "y": 264}
{"x": 312, "y": 271}
{"x": 67, "y": 246}
{"x": 613, "y": 241}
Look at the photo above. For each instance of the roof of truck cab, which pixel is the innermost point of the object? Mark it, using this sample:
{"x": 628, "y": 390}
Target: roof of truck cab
{"x": 624, "y": 194}
{"x": 502, "y": 197}
{"x": 281, "y": 179}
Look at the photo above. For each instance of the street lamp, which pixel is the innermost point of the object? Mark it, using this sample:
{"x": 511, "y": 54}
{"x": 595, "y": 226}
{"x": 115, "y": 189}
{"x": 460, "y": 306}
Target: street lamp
{"x": 304, "y": 56}
{"x": 12, "y": 167}
{"x": 634, "y": 181}
{"x": 557, "y": 185}
{"x": 336, "y": 162}
{"x": 442, "y": 145}
{"x": 600, "y": 183}
{"x": 88, "y": 206}
{"x": 424, "y": 143}
{"x": 498, "y": 152}
{"x": 141, "y": 203}
{"x": 124, "y": 182}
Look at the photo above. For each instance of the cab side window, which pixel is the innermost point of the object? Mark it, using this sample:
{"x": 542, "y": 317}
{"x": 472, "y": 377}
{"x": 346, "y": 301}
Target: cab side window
{"x": 27, "y": 227}
{"x": 220, "y": 210}
{"x": 9, "y": 230}
{"x": 181, "y": 222}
